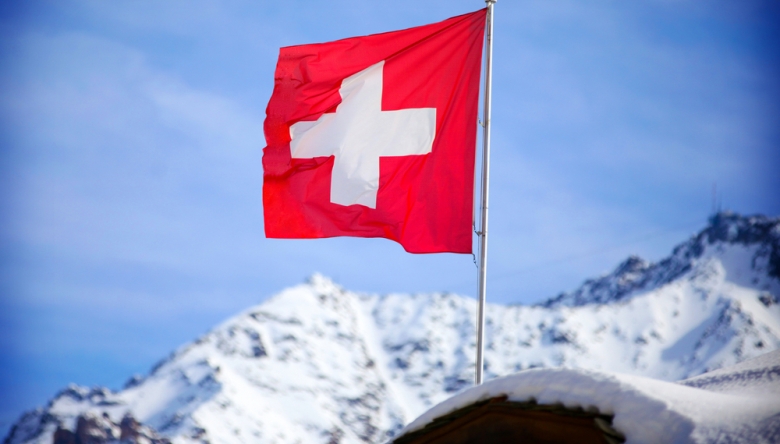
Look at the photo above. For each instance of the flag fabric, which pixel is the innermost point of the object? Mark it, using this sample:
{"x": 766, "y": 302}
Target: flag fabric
{"x": 375, "y": 136}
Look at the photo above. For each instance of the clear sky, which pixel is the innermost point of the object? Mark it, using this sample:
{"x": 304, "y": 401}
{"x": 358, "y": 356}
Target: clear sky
{"x": 131, "y": 140}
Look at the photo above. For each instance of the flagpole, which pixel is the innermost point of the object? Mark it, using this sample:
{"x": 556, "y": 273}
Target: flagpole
{"x": 484, "y": 195}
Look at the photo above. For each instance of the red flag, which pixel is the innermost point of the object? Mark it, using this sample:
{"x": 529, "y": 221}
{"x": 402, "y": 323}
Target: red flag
{"x": 375, "y": 136}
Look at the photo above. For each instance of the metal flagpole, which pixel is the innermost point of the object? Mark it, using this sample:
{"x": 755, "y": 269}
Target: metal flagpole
{"x": 484, "y": 198}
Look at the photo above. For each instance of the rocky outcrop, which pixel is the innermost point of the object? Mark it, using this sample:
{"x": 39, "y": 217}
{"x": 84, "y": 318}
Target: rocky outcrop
{"x": 92, "y": 429}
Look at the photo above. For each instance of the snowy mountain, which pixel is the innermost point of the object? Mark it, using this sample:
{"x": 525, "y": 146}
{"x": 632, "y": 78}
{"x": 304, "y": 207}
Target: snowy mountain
{"x": 317, "y": 363}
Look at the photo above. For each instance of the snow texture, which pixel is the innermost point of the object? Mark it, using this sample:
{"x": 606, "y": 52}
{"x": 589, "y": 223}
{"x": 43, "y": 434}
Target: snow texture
{"x": 319, "y": 364}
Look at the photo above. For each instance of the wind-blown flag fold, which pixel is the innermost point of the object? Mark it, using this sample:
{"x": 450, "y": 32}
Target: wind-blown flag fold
{"x": 375, "y": 136}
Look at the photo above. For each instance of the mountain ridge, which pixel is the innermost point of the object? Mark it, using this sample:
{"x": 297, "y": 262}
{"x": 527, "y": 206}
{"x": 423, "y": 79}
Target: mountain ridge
{"x": 636, "y": 274}
{"x": 318, "y": 363}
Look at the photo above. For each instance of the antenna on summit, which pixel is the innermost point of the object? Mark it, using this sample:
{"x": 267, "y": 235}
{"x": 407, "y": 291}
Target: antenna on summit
{"x": 717, "y": 206}
{"x": 717, "y": 201}
{"x": 714, "y": 198}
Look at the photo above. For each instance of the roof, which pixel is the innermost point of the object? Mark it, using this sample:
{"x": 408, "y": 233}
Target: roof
{"x": 740, "y": 404}
{"x": 499, "y": 421}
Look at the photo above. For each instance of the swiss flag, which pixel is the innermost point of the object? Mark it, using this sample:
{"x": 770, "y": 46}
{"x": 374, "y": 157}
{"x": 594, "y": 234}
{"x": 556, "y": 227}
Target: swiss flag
{"x": 375, "y": 136}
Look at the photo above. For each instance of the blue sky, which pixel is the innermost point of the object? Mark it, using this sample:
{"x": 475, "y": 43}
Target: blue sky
{"x": 131, "y": 138}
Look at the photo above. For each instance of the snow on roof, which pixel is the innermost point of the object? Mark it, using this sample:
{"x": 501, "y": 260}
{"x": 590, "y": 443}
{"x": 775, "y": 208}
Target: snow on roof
{"x": 739, "y": 404}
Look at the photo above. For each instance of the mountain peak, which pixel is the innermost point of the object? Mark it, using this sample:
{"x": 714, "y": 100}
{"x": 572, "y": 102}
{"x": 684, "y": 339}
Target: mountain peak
{"x": 727, "y": 226}
{"x": 727, "y": 236}
{"x": 321, "y": 283}
{"x": 632, "y": 264}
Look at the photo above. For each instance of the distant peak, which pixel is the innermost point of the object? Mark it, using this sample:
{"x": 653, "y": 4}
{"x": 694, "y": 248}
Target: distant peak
{"x": 730, "y": 227}
{"x": 632, "y": 264}
{"x": 722, "y": 216}
{"x": 725, "y": 225}
{"x": 321, "y": 283}
{"x": 636, "y": 274}
{"x": 314, "y": 278}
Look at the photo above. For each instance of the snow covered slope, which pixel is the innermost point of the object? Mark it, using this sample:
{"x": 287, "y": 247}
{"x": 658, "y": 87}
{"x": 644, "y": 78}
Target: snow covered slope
{"x": 317, "y": 363}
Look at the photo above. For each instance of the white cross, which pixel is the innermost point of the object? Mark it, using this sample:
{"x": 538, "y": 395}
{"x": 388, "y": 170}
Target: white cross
{"x": 359, "y": 133}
